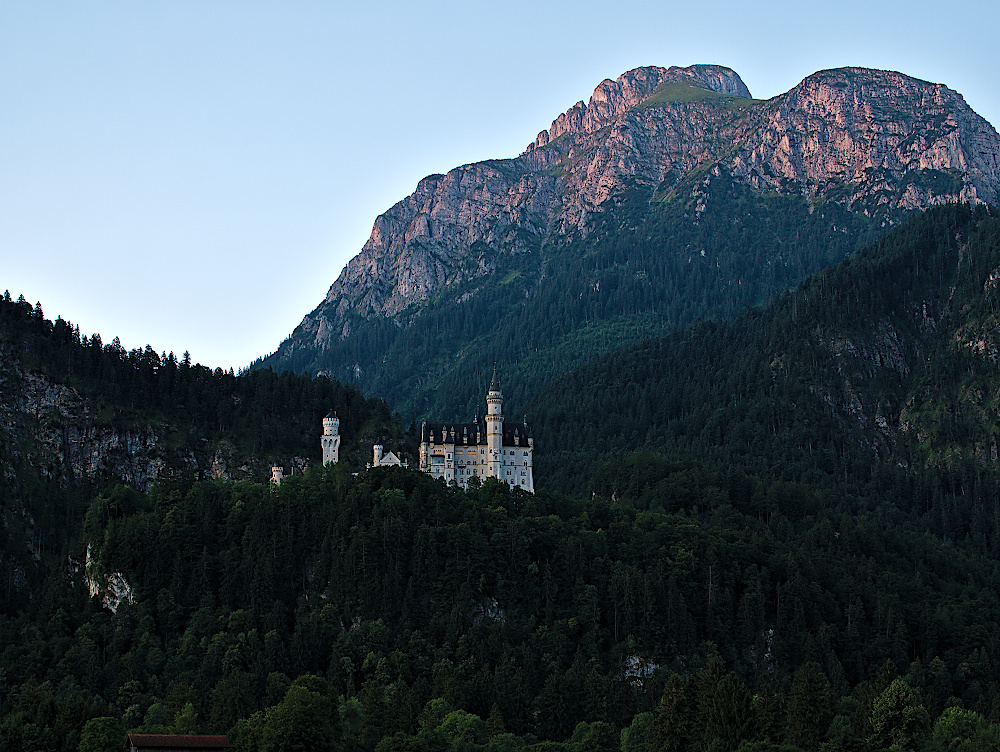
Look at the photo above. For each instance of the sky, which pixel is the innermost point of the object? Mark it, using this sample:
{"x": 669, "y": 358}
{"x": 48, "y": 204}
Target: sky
{"x": 195, "y": 175}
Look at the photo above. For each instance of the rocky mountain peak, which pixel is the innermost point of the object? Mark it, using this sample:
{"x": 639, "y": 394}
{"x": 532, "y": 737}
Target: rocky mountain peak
{"x": 870, "y": 129}
{"x": 867, "y": 144}
{"x": 613, "y": 98}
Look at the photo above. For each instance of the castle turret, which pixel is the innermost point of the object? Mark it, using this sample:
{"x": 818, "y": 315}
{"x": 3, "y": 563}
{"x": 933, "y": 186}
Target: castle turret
{"x": 494, "y": 427}
{"x": 330, "y": 441}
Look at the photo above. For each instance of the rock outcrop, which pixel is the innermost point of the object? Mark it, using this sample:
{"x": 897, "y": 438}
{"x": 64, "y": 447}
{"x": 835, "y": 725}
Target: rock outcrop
{"x": 51, "y": 427}
{"x": 612, "y": 99}
{"x": 887, "y": 138}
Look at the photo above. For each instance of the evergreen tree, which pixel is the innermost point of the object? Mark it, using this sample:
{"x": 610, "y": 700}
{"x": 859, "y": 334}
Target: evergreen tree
{"x": 673, "y": 724}
{"x": 810, "y": 708}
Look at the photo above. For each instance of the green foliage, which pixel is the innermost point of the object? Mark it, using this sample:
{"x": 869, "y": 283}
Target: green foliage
{"x": 899, "y": 720}
{"x": 810, "y": 708}
{"x": 873, "y": 377}
{"x": 638, "y": 735}
{"x": 740, "y": 601}
{"x": 673, "y": 725}
{"x": 377, "y": 584}
{"x": 260, "y": 413}
{"x": 104, "y": 734}
{"x": 593, "y": 737}
{"x": 152, "y": 414}
{"x": 960, "y": 730}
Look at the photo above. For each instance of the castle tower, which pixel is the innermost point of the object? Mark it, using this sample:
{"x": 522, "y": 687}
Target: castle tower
{"x": 330, "y": 440}
{"x": 494, "y": 427}
{"x": 377, "y": 455}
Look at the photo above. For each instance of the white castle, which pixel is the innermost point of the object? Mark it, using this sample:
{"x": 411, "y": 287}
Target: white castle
{"x": 381, "y": 458}
{"x": 486, "y": 448}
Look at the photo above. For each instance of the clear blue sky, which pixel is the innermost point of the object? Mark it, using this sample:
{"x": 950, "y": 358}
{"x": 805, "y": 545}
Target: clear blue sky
{"x": 194, "y": 175}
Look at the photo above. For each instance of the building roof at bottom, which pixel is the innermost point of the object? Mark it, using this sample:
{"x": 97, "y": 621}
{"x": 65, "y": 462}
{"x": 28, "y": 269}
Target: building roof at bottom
{"x": 176, "y": 741}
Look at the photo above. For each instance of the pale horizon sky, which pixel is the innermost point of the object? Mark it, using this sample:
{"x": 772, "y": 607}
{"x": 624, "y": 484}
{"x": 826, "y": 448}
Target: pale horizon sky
{"x": 195, "y": 175}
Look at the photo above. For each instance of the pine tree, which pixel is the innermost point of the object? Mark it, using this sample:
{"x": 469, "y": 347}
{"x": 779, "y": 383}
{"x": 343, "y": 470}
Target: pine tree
{"x": 672, "y": 723}
{"x": 810, "y": 708}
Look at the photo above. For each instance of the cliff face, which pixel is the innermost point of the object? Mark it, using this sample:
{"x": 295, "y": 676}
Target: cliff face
{"x": 55, "y": 429}
{"x": 53, "y": 426}
{"x": 876, "y": 138}
{"x": 876, "y": 141}
{"x": 612, "y": 99}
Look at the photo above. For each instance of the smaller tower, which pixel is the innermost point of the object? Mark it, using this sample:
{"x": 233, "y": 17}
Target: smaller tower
{"x": 377, "y": 455}
{"x": 277, "y": 474}
{"x": 330, "y": 441}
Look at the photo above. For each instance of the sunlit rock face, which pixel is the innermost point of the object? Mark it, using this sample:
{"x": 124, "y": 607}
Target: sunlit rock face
{"x": 877, "y": 141}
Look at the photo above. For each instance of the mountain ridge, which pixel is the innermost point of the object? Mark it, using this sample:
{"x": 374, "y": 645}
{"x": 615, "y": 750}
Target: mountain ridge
{"x": 874, "y": 144}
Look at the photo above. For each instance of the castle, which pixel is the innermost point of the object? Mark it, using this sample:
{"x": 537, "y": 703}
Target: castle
{"x": 386, "y": 459}
{"x": 486, "y": 448}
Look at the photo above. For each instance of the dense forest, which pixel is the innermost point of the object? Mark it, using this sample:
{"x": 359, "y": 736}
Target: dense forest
{"x": 389, "y": 611}
{"x": 878, "y": 376}
{"x": 774, "y": 534}
{"x": 261, "y": 413}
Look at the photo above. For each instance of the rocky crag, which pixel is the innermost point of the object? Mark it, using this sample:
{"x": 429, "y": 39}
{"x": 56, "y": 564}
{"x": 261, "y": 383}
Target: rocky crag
{"x": 53, "y": 428}
{"x": 875, "y": 144}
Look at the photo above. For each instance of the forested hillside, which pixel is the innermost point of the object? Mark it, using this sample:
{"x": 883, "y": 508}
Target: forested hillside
{"x": 887, "y": 361}
{"x": 707, "y": 250}
{"x": 774, "y": 534}
{"x": 434, "y": 618}
{"x": 77, "y": 415}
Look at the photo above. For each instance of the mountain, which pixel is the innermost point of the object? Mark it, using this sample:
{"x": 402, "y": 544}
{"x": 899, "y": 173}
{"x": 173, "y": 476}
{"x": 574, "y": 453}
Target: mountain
{"x": 669, "y": 197}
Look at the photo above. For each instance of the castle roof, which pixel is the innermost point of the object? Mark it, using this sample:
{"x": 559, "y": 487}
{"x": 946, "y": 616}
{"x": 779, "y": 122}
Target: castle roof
{"x": 330, "y": 414}
{"x": 474, "y": 434}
